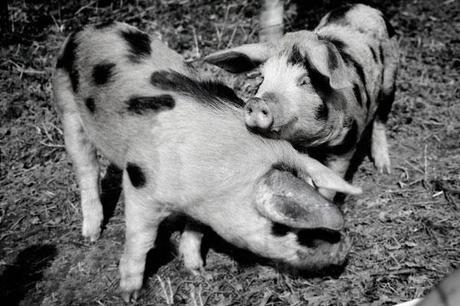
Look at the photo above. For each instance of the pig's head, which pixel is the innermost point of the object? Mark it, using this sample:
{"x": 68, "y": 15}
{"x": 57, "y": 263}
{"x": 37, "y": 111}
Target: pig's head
{"x": 285, "y": 219}
{"x": 309, "y": 224}
{"x": 299, "y": 98}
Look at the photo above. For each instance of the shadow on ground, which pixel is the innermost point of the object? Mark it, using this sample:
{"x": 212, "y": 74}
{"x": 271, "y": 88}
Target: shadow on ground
{"x": 110, "y": 191}
{"x": 23, "y": 274}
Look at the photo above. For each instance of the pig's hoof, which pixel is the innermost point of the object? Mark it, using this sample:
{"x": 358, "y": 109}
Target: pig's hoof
{"x": 189, "y": 248}
{"x": 201, "y": 272}
{"x": 129, "y": 296}
{"x": 194, "y": 263}
{"x": 91, "y": 228}
{"x": 382, "y": 163}
{"x": 129, "y": 287}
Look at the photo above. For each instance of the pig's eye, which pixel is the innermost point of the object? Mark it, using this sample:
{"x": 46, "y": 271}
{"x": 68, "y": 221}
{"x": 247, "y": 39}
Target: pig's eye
{"x": 303, "y": 81}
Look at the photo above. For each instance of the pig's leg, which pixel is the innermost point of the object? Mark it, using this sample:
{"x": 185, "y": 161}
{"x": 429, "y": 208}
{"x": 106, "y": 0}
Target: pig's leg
{"x": 379, "y": 147}
{"x": 83, "y": 155}
{"x": 379, "y": 144}
{"x": 143, "y": 216}
{"x": 190, "y": 248}
{"x": 338, "y": 164}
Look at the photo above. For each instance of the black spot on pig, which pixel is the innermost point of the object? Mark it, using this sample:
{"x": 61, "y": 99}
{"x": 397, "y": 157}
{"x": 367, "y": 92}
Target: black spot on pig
{"x": 357, "y": 93}
{"x": 295, "y": 57}
{"x": 386, "y": 99}
{"x": 348, "y": 142}
{"x": 90, "y": 104}
{"x": 322, "y": 112}
{"x": 338, "y": 15}
{"x": 139, "y": 44}
{"x": 390, "y": 30}
{"x": 103, "y": 72}
{"x": 381, "y": 54}
{"x": 210, "y": 93}
{"x": 339, "y": 44}
{"x": 104, "y": 24}
{"x": 351, "y": 62}
{"x": 67, "y": 61}
{"x": 136, "y": 175}
{"x": 374, "y": 54}
{"x": 319, "y": 81}
{"x": 313, "y": 238}
{"x": 280, "y": 230}
{"x": 234, "y": 62}
{"x": 142, "y": 105}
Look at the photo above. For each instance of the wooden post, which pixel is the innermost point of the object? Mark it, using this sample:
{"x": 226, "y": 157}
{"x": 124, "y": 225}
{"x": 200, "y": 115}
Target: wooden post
{"x": 271, "y": 21}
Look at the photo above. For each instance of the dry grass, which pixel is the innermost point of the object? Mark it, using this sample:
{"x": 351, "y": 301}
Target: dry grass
{"x": 405, "y": 227}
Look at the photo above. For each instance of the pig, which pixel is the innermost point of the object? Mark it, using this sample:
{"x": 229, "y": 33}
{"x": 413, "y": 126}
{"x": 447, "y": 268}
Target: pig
{"x": 184, "y": 149}
{"x": 323, "y": 88}
{"x": 446, "y": 293}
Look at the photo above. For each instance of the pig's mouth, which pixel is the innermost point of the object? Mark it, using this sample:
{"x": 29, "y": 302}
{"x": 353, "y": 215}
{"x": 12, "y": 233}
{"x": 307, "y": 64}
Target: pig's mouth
{"x": 278, "y": 130}
{"x": 322, "y": 248}
{"x": 319, "y": 248}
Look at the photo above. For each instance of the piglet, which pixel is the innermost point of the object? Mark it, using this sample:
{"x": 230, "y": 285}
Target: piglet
{"x": 323, "y": 88}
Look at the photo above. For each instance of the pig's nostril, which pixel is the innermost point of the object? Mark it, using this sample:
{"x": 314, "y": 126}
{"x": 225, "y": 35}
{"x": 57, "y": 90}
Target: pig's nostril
{"x": 249, "y": 110}
{"x": 264, "y": 112}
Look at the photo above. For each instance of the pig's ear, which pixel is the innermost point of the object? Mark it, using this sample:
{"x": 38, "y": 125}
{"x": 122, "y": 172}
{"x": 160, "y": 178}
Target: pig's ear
{"x": 323, "y": 177}
{"x": 327, "y": 59}
{"x": 242, "y": 58}
{"x": 286, "y": 199}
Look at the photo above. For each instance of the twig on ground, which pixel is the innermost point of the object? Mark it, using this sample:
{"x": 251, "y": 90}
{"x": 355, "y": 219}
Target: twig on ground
{"x": 425, "y": 167}
{"x": 195, "y": 40}
{"x": 230, "y": 41}
{"x": 85, "y": 7}
{"x": 167, "y": 292}
{"x": 51, "y": 145}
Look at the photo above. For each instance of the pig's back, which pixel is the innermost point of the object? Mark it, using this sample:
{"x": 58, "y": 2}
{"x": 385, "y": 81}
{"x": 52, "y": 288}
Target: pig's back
{"x": 363, "y": 37}
{"x": 360, "y": 18}
{"x": 198, "y": 151}
{"x": 115, "y": 64}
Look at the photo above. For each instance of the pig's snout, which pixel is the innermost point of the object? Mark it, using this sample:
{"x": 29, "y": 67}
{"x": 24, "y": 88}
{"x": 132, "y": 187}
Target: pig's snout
{"x": 258, "y": 115}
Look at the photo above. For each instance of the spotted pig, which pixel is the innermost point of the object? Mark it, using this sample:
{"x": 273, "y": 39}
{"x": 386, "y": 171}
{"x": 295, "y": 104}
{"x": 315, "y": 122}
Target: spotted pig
{"x": 183, "y": 147}
{"x": 322, "y": 88}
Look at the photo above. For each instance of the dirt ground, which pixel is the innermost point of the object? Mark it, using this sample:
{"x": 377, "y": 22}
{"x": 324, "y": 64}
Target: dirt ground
{"x": 405, "y": 226}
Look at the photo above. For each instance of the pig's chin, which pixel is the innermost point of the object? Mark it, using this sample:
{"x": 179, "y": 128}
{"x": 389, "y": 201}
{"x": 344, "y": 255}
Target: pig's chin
{"x": 283, "y": 129}
{"x": 302, "y": 140}
{"x": 278, "y": 130}
{"x": 319, "y": 254}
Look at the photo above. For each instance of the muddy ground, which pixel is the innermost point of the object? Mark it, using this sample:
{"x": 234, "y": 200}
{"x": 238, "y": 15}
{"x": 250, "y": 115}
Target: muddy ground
{"x": 405, "y": 226}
